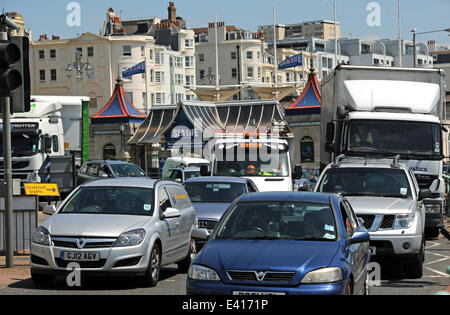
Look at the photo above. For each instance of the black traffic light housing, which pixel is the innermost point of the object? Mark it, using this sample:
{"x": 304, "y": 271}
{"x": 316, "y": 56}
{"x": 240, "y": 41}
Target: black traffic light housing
{"x": 15, "y": 72}
{"x": 20, "y": 97}
{"x": 10, "y": 78}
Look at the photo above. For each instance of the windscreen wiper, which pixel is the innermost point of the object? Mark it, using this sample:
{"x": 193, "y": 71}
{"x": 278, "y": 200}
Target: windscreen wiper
{"x": 322, "y": 239}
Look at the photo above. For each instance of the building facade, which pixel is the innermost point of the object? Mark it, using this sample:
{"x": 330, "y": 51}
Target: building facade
{"x": 322, "y": 29}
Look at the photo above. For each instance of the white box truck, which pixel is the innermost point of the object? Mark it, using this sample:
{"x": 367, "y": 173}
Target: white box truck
{"x": 52, "y": 127}
{"x": 384, "y": 112}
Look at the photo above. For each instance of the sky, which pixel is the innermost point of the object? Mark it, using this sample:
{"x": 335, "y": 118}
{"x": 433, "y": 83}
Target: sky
{"x": 358, "y": 18}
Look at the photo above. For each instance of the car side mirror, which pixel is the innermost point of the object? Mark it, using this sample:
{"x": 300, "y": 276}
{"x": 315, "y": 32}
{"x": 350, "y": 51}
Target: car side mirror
{"x": 359, "y": 237}
{"x": 49, "y": 209}
{"x": 200, "y": 234}
{"x": 424, "y": 193}
{"x": 171, "y": 213}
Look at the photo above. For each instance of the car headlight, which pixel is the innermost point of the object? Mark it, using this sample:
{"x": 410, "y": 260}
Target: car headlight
{"x": 197, "y": 272}
{"x": 404, "y": 221}
{"x": 130, "y": 238}
{"x": 41, "y": 236}
{"x": 323, "y": 275}
{"x": 433, "y": 208}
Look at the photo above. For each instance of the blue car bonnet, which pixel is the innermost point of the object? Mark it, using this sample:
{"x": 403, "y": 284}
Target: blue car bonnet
{"x": 277, "y": 255}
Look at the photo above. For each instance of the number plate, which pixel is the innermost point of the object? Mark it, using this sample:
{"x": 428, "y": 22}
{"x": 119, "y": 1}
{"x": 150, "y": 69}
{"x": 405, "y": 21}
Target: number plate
{"x": 80, "y": 256}
{"x": 257, "y": 293}
{"x": 373, "y": 250}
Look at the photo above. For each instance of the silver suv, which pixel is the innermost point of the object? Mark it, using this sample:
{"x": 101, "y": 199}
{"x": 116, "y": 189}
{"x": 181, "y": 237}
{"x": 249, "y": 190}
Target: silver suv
{"x": 386, "y": 197}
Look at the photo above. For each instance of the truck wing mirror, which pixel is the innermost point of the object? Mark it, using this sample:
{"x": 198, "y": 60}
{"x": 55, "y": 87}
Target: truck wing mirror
{"x": 297, "y": 172}
{"x": 204, "y": 170}
{"x": 329, "y": 137}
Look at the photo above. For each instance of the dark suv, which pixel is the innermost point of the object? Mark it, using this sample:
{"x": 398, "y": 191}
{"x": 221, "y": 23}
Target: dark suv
{"x": 108, "y": 169}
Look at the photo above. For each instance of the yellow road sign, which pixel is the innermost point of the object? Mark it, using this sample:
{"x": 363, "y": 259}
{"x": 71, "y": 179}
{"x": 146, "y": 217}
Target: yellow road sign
{"x": 41, "y": 189}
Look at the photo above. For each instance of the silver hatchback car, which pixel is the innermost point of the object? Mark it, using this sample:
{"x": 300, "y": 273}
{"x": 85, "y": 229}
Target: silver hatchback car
{"x": 117, "y": 226}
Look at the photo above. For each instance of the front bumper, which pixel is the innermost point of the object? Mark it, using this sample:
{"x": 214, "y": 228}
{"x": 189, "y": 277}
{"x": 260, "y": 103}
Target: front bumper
{"x": 117, "y": 260}
{"x": 199, "y": 287}
{"x": 395, "y": 246}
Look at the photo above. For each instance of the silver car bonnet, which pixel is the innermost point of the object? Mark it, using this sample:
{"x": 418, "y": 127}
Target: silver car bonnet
{"x": 381, "y": 205}
{"x": 103, "y": 225}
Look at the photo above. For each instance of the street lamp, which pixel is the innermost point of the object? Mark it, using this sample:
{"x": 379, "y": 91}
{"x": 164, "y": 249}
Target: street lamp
{"x": 79, "y": 66}
{"x": 414, "y": 31}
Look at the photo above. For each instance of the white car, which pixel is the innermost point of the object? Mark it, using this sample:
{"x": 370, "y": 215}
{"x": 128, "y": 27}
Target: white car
{"x": 134, "y": 226}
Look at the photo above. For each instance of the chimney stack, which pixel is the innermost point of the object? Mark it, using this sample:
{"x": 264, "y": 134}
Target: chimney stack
{"x": 172, "y": 13}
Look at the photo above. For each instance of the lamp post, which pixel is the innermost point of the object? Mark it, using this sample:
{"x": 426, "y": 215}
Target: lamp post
{"x": 79, "y": 66}
{"x": 414, "y": 31}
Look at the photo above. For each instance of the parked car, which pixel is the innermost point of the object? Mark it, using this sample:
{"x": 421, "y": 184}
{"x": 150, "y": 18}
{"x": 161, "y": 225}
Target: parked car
{"x": 212, "y": 195}
{"x": 112, "y": 226}
{"x": 283, "y": 243}
{"x": 108, "y": 169}
{"x": 181, "y": 174}
{"x": 385, "y": 195}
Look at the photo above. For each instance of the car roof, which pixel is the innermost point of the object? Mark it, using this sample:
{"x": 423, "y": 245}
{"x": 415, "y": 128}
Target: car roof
{"x": 125, "y": 181}
{"x": 289, "y": 196}
{"x": 219, "y": 179}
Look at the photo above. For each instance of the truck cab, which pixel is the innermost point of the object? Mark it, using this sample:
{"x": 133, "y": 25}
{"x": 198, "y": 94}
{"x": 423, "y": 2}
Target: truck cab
{"x": 265, "y": 161}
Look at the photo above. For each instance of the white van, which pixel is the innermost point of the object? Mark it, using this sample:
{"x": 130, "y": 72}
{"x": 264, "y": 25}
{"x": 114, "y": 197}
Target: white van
{"x": 174, "y": 162}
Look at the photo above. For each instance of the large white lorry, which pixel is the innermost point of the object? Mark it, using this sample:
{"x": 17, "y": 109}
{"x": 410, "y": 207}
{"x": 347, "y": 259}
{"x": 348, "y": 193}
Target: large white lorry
{"x": 53, "y": 127}
{"x": 384, "y": 112}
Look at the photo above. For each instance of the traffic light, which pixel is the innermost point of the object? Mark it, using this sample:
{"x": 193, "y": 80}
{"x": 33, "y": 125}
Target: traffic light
{"x": 20, "y": 97}
{"x": 10, "y": 78}
{"x": 15, "y": 72}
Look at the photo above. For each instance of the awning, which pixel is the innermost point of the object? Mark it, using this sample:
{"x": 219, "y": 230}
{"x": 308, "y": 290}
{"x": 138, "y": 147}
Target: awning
{"x": 203, "y": 116}
{"x": 311, "y": 98}
{"x": 249, "y": 114}
{"x": 210, "y": 95}
{"x": 155, "y": 125}
{"x": 118, "y": 110}
{"x": 212, "y": 118}
{"x": 268, "y": 93}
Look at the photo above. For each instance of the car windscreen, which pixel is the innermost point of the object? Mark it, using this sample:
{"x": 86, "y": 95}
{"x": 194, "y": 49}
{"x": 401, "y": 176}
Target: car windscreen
{"x": 378, "y": 182}
{"x": 110, "y": 200}
{"x": 214, "y": 192}
{"x": 288, "y": 220}
{"x": 127, "y": 170}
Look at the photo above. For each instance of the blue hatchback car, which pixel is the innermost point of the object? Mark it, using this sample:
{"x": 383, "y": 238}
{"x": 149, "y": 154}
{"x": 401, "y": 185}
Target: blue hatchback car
{"x": 282, "y": 243}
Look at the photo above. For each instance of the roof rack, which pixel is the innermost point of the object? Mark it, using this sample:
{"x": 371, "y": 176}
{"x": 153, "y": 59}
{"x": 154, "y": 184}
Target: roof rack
{"x": 366, "y": 159}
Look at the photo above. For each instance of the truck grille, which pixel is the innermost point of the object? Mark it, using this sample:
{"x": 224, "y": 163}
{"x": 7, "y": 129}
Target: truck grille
{"x": 388, "y": 222}
{"x": 425, "y": 181}
{"x": 368, "y": 220}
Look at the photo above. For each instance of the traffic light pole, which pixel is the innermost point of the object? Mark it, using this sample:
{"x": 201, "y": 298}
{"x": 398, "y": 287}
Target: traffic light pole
{"x": 7, "y": 177}
{"x": 7, "y": 182}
